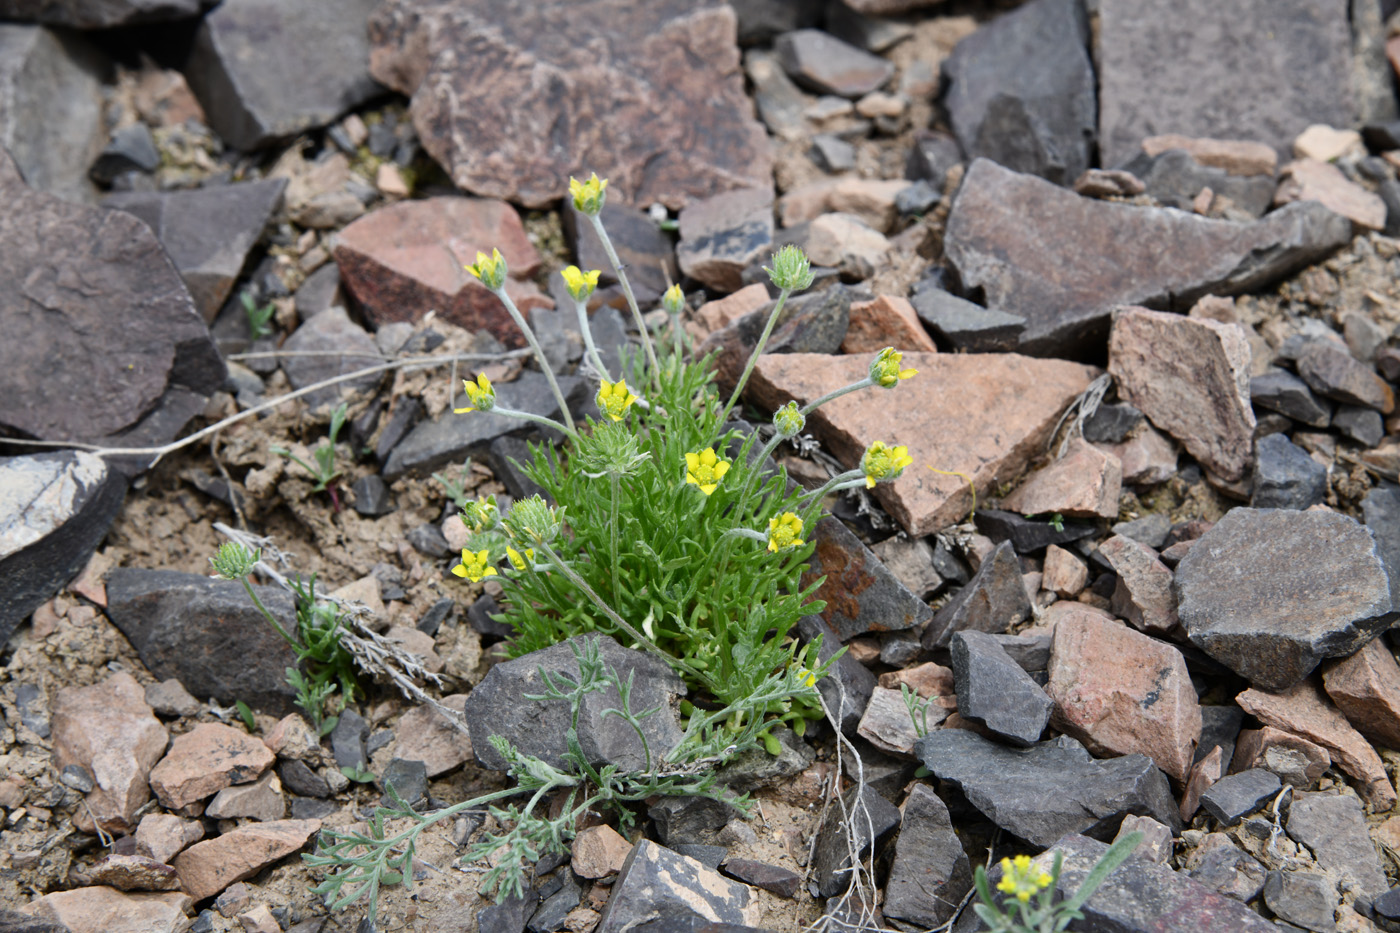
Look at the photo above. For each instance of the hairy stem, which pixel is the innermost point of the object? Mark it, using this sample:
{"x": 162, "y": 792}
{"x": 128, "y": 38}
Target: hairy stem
{"x": 757, "y": 350}
{"x": 590, "y": 348}
{"x": 539, "y": 354}
{"x": 627, "y": 291}
{"x": 813, "y": 406}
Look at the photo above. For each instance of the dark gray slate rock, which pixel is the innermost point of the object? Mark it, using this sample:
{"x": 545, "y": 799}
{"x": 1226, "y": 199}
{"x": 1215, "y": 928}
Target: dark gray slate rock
{"x": 100, "y": 14}
{"x": 1270, "y": 593}
{"x": 1175, "y": 178}
{"x": 320, "y": 291}
{"x": 428, "y": 539}
{"x": 1040, "y": 793}
{"x": 814, "y": 322}
{"x": 764, "y": 20}
{"x": 1332, "y": 372}
{"x": 1334, "y": 828}
{"x": 510, "y": 915}
{"x": 1022, "y": 91}
{"x": 659, "y": 889}
{"x": 1381, "y": 512}
{"x": 208, "y": 232}
{"x": 372, "y": 497}
{"x": 125, "y": 358}
{"x": 348, "y": 740}
{"x": 1267, "y": 91}
{"x": 1235, "y": 796}
{"x": 1281, "y": 391}
{"x": 405, "y": 416}
{"x": 409, "y": 780}
{"x": 309, "y": 808}
{"x": 51, "y": 100}
{"x": 506, "y": 456}
{"x": 930, "y": 872}
{"x": 555, "y": 907}
{"x": 1363, "y": 425}
{"x": 251, "y": 71}
{"x": 832, "y": 153}
{"x": 1229, "y": 870}
{"x": 646, "y": 253}
{"x": 993, "y": 600}
{"x": 353, "y": 349}
{"x": 847, "y": 687}
{"x": 131, "y": 149}
{"x": 1110, "y": 424}
{"x": 1064, "y": 262}
{"x": 966, "y": 326}
{"x": 55, "y": 509}
{"x": 917, "y": 199}
{"x": 1142, "y": 896}
{"x": 1305, "y": 898}
{"x": 1285, "y": 477}
{"x": 875, "y": 820}
{"x": 298, "y": 778}
{"x": 1220, "y": 725}
{"x": 823, "y": 63}
{"x": 994, "y": 691}
{"x": 690, "y": 820}
{"x": 709, "y": 856}
{"x": 933, "y": 154}
{"x": 775, "y": 879}
{"x": 1028, "y": 535}
{"x": 497, "y": 706}
{"x": 861, "y": 594}
{"x": 778, "y": 100}
{"x": 1387, "y": 909}
{"x": 755, "y": 768}
{"x": 1030, "y": 652}
{"x": 1151, "y": 530}
{"x": 452, "y": 438}
{"x": 202, "y": 632}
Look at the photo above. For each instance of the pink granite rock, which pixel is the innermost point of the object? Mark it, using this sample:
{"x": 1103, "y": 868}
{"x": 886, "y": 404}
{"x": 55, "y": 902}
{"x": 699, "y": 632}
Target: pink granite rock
{"x": 426, "y": 735}
{"x": 162, "y": 836}
{"x": 870, "y": 199}
{"x": 109, "y": 730}
{"x": 1084, "y": 483}
{"x": 599, "y": 851}
{"x": 1121, "y": 692}
{"x": 1065, "y": 574}
{"x": 100, "y": 909}
{"x": 888, "y": 321}
{"x": 1203, "y": 774}
{"x": 204, "y": 761}
{"x": 1143, "y": 594}
{"x": 1293, "y": 758}
{"x": 1006, "y": 406}
{"x": 207, "y": 867}
{"x": 1366, "y": 688}
{"x": 1313, "y": 180}
{"x": 1147, "y": 456}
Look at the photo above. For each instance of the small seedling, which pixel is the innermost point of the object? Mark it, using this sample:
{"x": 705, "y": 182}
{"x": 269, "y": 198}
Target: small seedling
{"x": 1055, "y": 521}
{"x": 324, "y": 470}
{"x": 258, "y": 316}
{"x": 359, "y": 774}
{"x": 918, "y": 709}
{"x": 246, "y": 712}
{"x": 457, "y": 491}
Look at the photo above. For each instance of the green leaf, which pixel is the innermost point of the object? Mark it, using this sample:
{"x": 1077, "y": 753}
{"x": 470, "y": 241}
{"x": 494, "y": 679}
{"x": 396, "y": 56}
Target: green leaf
{"x": 246, "y": 712}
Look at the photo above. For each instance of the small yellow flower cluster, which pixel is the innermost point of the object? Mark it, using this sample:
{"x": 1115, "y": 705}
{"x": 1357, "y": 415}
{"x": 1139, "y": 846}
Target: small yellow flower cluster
{"x": 885, "y": 371}
{"x": 705, "y": 469}
{"x": 482, "y": 395}
{"x": 1021, "y": 878}
{"x": 588, "y": 195}
{"x": 490, "y": 270}
{"x": 579, "y": 283}
{"x": 614, "y": 398}
{"x": 784, "y": 532}
{"x": 882, "y": 463}
{"x": 475, "y": 566}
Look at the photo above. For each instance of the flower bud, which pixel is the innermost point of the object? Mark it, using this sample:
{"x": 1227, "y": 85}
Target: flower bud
{"x": 791, "y": 271}
{"x": 233, "y": 561}
{"x": 589, "y": 195}
{"x": 883, "y": 464}
{"x": 579, "y": 283}
{"x": 490, "y": 270}
{"x": 481, "y": 395}
{"x": 789, "y": 420}
{"x": 885, "y": 371}
{"x": 673, "y": 300}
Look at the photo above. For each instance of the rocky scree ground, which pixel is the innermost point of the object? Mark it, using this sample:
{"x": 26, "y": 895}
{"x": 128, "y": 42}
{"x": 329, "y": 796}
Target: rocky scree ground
{"x": 1144, "y": 261}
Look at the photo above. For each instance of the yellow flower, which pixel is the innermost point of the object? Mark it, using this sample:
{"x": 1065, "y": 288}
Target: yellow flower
{"x": 806, "y": 678}
{"x": 482, "y": 396}
{"x": 588, "y": 195}
{"x": 1021, "y": 878}
{"x": 475, "y": 567}
{"x": 481, "y": 515}
{"x": 882, "y": 463}
{"x": 885, "y": 371}
{"x": 491, "y": 270}
{"x": 614, "y": 398}
{"x": 579, "y": 283}
{"x": 705, "y": 469}
{"x": 673, "y": 300}
{"x": 517, "y": 561}
{"x": 783, "y": 531}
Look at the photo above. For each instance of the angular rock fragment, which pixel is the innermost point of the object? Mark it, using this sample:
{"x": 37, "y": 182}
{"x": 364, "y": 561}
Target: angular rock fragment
{"x": 250, "y": 69}
{"x": 650, "y": 97}
{"x": 1028, "y": 535}
{"x": 873, "y": 820}
{"x": 1022, "y": 91}
{"x": 1084, "y": 482}
{"x": 645, "y": 250}
{"x": 1235, "y": 796}
{"x": 808, "y": 325}
{"x": 723, "y": 235}
{"x": 1312, "y": 180}
{"x": 1297, "y": 761}
{"x": 995, "y": 692}
{"x": 869, "y": 200}
{"x": 1306, "y": 711}
{"x": 1270, "y": 593}
{"x": 207, "y": 867}
{"x": 848, "y": 686}
{"x": 1042, "y": 792}
{"x": 496, "y": 706}
{"x": 261, "y": 800}
{"x": 847, "y": 244}
{"x": 823, "y": 63}
{"x": 426, "y": 735}
{"x": 204, "y": 761}
{"x": 161, "y": 836}
{"x": 1285, "y": 477}
{"x": 968, "y": 327}
{"x": 1175, "y": 178}
{"x": 1334, "y": 827}
{"x": 889, "y": 724}
{"x": 1007, "y": 406}
{"x": 1333, "y": 373}
{"x": 1143, "y": 594}
{"x": 1191, "y": 378}
{"x": 1121, "y": 692}
{"x": 334, "y": 346}
{"x": 1227, "y": 869}
{"x": 1064, "y": 262}
{"x": 662, "y": 886}
{"x": 860, "y": 593}
{"x": 1065, "y": 574}
{"x": 992, "y": 601}
{"x": 108, "y": 730}
{"x": 775, "y": 879}
{"x": 885, "y": 322}
{"x": 930, "y": 872}
{"x": 1307, "y": 898}
{"x": 101, "y": 14}
{"x": 1381, "y": 512}
{"x": 1281, "y": 391}
{"x": 101, "y": 909}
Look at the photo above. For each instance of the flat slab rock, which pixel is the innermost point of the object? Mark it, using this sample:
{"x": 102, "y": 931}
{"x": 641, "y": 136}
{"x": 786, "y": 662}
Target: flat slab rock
{"x": 1064, "y": 262}
{"x": 1269, "y": 593}
{"x": 658, "y": 883}
{"x": 1043, "y": 792}
{"x": 860, "y": 593}
{"x": 649, "y": 96}
{"x": 1006, "y": 407}
{"x": 207, "y": 867}
{"x": 101, "y": 909}
{"x": 101, "y": 14}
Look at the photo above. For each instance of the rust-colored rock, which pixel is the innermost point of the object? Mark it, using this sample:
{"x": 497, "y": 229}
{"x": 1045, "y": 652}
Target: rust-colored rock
{"x": 207, "y": 867}
{"x": 426, "y": 735}
{"x": 1147, "y": 456}
{"x": 1366, "y": 688}
{"x": 1293, "y": 758}
{"x": 1084, "y": 483}
{"x": 407, "y": 259}
{"x": 723, "y": 235}
{"x": 100, "y": 909}
{"x": 1313, "y": 180}
{"x": 927, "y": 680}
{"x": 514, "y": 98}
{"x": 847, "y": 243}
{"x": 133, "y": 873}
{"x": 1121, "y": 692}
{"x": 204, "y": 761}
{"x": 720, "y": 313}
{"x": 1143, "y": 594}
{"x": 1305, "y": 710}
{"x": 986, "y": 415}
{"x": 293, "y": 737}
{"x": 1191, "y": 378}
{"x": 109, "y": 730}
{"x": 599, "y": 851}
{"x": 1203, "y": 774}
{"x": 888, "y": 321}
